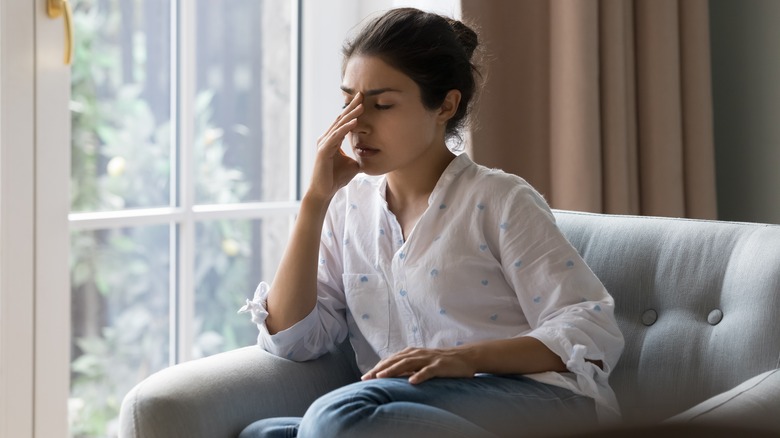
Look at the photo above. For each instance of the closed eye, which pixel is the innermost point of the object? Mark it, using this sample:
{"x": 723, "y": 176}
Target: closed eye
{"x": 382, "y": 107}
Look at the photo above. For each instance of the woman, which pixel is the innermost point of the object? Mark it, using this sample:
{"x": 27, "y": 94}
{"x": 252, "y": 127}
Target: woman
{"x": 468, "y": 311}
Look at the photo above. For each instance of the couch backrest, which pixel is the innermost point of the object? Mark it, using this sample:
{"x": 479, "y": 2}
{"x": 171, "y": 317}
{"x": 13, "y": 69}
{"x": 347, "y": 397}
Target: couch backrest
{"x": 698, "y": 303}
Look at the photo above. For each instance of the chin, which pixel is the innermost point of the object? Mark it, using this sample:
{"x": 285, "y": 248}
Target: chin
{"x": 371, "y": 170}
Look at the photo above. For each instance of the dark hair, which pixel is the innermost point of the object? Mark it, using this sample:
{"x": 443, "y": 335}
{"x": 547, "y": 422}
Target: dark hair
{"x": 434, "y": 51}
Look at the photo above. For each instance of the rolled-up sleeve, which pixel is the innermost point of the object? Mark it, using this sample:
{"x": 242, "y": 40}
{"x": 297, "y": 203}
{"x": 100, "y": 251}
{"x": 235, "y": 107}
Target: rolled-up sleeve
{"x": 566, "y": 305}
{"x": 325, "y": 326}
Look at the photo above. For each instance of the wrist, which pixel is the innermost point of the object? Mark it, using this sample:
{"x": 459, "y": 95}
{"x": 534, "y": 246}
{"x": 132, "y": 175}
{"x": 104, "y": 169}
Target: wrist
{"x": 470, "y": 355}
{"x": 316, "y": 201}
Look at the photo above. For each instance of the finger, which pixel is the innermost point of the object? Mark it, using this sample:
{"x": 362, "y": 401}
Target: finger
{"x": 356, "y": 100}
{"x": 380, "y": 366}
{"x": 352, "y": 111}
{"x": 342, "y": 127}
{"x": 426, "y": 373}
{"x": 403, "y": 366}
{"x": 336, "y": 137}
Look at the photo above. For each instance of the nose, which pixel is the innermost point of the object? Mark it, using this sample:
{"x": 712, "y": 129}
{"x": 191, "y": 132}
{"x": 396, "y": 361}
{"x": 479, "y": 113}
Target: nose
{"x": 363, "y": 125}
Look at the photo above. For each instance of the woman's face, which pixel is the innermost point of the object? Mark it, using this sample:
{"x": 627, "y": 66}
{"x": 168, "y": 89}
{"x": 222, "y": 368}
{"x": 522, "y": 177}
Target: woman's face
{"x": 395, "y": 131}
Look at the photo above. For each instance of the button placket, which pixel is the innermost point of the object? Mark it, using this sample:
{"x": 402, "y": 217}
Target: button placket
{"x": 408, "y": 319}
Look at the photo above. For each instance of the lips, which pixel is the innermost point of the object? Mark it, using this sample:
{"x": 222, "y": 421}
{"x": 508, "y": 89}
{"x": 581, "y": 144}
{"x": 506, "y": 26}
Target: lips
{"x": 364, "y": 150}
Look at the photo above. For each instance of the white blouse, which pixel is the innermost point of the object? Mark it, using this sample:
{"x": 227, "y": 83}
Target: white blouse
{"x": 485, "y": 261}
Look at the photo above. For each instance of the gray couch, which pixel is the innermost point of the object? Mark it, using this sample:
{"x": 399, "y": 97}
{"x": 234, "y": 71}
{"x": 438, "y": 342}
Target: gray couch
{"x": 697, "y": 301}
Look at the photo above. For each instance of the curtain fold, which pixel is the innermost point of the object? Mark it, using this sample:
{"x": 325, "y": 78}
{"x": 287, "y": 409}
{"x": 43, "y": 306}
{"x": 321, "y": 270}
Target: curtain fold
{"x": 602, "y": 105}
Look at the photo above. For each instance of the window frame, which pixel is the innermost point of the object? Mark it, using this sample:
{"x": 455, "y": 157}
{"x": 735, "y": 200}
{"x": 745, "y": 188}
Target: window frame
{"x": 34, "y": 202}
{"x": 183, "y": 214}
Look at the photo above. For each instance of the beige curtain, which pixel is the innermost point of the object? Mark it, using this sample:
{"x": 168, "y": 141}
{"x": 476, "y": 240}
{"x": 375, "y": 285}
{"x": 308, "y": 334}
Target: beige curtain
{"x": 602, "y": 105}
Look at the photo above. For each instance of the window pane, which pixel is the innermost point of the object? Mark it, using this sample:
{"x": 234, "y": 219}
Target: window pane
{"x": 120, "y": 105}
{"x": 232, "y": 257}
{"x": 120, "y": 320}
{"x": 242, "y": 134}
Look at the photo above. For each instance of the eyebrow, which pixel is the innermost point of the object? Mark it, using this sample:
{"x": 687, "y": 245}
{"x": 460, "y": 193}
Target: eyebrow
{"x": 373, "y": 92}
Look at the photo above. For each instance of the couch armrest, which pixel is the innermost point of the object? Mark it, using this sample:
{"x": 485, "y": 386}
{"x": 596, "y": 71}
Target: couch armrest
{"x": 218, "y": 396}
{"x": 754, "y": 403}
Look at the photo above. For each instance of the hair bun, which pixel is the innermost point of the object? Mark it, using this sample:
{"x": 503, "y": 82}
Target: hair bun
{"x": 466, "y": 36}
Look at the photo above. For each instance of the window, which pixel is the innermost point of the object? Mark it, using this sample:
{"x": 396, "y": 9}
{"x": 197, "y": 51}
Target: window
{"x": 183, "y": 184}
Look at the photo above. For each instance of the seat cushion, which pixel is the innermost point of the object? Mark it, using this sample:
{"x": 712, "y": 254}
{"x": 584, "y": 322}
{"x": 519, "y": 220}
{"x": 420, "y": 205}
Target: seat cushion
{"x": 754, "y": 403}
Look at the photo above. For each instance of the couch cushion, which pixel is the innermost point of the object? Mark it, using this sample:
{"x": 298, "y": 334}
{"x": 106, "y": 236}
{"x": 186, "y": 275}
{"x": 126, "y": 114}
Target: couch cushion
{"x": 754, "y": 403}
{"x": 698, "y": 303}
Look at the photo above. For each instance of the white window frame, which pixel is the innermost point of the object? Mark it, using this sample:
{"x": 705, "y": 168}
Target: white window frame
{"x": 183, "y": 214}
{"x": 34, "y": 239}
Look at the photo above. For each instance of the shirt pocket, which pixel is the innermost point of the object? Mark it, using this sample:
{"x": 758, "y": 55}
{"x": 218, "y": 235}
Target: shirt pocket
{"x": 368, "y": 302}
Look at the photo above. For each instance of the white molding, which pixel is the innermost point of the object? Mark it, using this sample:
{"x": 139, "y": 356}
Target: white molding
{"x": 17, "y": 214}
{"x": 52, "y": 240}
{"x": 166, "y": 215}
{"x": 184, "y": 64}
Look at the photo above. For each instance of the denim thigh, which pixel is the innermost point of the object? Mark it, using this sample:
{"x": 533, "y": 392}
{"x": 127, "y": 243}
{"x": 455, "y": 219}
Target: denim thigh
{"x": 511, "y": 405}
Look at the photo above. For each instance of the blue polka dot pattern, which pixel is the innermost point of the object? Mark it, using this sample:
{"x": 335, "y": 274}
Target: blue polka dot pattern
{"x": 365, "y": 316}
{"x": 481, "y": 206}
{"x": 504, "y": 226}
{"x": 537, "y": 299}
{"x": 518, "y": 263}
{"x": 381, "y": 232}
{"x": 494, "y": 316}
{"x": 484, "y": 282}
{"x": 402, "y": 255}
{"x": 402, "y": 292}
{"x": 434, "y": 273}
{"x": 442, "y": 311}
{"x": 597, "y": 308}
{"x": 363, "y": 279}
{"x": 569, "y": 263}
{"x": 483, "y": 247}
{"x": 442, "y": 206}
{"x": 354, "y": 206}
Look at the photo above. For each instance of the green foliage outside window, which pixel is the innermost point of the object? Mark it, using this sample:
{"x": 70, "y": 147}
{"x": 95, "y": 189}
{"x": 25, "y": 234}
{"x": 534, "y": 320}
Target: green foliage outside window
{"x": 120, "y": 277}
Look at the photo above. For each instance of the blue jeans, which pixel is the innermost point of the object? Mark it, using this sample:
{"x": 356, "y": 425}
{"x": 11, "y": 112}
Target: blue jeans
{"x": 484, "y": 406}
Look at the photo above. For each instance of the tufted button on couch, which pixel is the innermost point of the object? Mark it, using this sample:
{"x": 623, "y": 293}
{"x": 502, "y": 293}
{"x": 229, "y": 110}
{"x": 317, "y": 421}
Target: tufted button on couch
{"x": 698, "y": 303}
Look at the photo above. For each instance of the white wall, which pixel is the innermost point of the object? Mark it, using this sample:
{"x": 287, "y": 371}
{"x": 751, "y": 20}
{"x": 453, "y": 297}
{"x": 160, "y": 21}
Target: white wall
{"x": 745, "y": 38}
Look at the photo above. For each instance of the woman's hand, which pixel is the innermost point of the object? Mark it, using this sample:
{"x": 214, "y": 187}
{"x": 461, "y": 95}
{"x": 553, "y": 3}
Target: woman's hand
{"x": 421, "y": 364}
{"x": 519, "y": 355}
{"x": 333, "y": 169}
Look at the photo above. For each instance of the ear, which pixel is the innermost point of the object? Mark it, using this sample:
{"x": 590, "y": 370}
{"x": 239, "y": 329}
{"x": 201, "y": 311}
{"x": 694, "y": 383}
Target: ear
{"x": 449, "y": 107}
